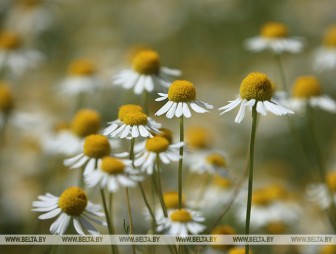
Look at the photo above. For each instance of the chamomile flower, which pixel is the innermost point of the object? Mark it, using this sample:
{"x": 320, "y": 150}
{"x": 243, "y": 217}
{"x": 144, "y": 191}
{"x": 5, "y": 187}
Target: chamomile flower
{"x": 113, "y": 173}
{"x": 211, "y": 163}
{"x": 222, "y": 230}
{"x": 82, "y": 78}
{"x": 14, "y": 57}
{"x": 182, "y": 222}
{"x": 307, "y": 91}
{"x": 153, "y": 147}
{"x": 255, "y": 91}
{"x": 72, "y": 206}
{"x": 131, "y": 123}
{"x": 95, "y": 148}
{"x": 325, "y": 56}
{"x": 181, "y": 95}
{"x": 146, "y": 73}
{"x": 274, "y": 36}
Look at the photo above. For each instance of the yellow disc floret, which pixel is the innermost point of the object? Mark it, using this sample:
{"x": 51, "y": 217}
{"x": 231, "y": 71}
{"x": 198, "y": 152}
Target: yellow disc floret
{"x": 181, "y": 215}
{"x": 171, "y": 199}
{"x": 276, "y": 228}
{"x": 165, "y": 133}
{"x": 112, "y": 166}
{"x": 86, "y": 122}
{"x": 61, "y": 126}
{"x": 135, "y": 118}
{"x": 125, "y": 109}
{"x": 274, "y": 30}
{"x": 221, "y": 181}
{"x": 198, "y": 137}
{"x": 157, "y": 144}
{"x": 260, "y": 197}
{"x": 10, "y": 40}
{"x": 330, "y": 37}
{"x": 146, "y": 62}
{"x": 223, "y": 230}
{"x": 238, "y": 250}
{"x": 256, "y": 86}
{"x": 81, "y": 67}
{"x": 30, "y": 3}
{"x": 182, "y": 91}
{"x": 216, "y": 160}
{"x": 331, "y": 180}
{"x": 306, "y": 87}
{"x": 276, "y": 192}
{"x": 73, "y": 201}
{"x": 96, "y": 146}
{"x": 6, "y": 98}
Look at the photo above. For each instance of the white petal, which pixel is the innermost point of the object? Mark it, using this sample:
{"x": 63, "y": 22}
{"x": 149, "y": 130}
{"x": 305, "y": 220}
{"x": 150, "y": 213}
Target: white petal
{"x": 170, "y": 114}
{"x": 140, "y": 85}
{"x": 186, "y": 110}
{"x": 164, "y": 108}
{"x": 149, "y": 84}
{"x": 64, "y": 225}
{"x": 162, "y": 98}
{"x": 78, "y": 226}
{"x": 135, "y": 131}
{"x": 143, "y": 131}
{"x": 241, "y": 112}
{"x": 91, "y": 229}
{"x": 71, "y": 161}
{"x": 57, "y": 223}
{"x": 80, "y": 163}
{"x": 179, "y": 109}
{"x": 90, "y": 167}
{"x": 197, "y": 108}
{"x": 230, "y": 106}
{"x": 51, "y": 214}
{"x": 126, "y": 131}
{"x": 261, "y": 108}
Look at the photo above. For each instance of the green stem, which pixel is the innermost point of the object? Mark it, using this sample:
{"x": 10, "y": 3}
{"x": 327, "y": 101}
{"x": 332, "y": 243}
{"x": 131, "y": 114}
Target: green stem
{"x": 180, "y": 165}
{"x": 131, "y": 153}
{"x": 160, "y": 193}
{"x": 153, "y": 202}
{"x": 129, "y": 211}
{"x": 204, "y": 188}
{"x": 108, "y": 220}
{"x": 282, "y": 73}
{"x": 147, "y": 203}
{"x": 250, "y": 174}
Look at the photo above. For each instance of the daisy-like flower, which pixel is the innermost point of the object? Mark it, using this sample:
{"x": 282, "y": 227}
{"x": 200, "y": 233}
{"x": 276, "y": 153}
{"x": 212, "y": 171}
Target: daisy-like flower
{"x": 73, "y": 205}
{"x": 95, "y": 148}
{"x": 182, "y": 222}
{"x": 181, "y": 95}
{"x": 274, "y": 36}
{"x": 255, "y": 91}
{"x": 82, "y": 78}
{"x": 307, "y": 90}
{"x": 132, "y": 123}
{"x": 153, "y": 147}
{"x": 325, "y": 56}
{"x": 113, "y": 173}
{"x": 222, "y": 230}
{"x": 14, "y": 57}
{"x": 211, "y": 162}
{"x": 146, "y": 73}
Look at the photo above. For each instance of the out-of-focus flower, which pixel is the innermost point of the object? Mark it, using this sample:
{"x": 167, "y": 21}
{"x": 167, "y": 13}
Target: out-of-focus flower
{"x": 14, "y": 57}
{"x": 6, "y": 99}
{"x": 73, "y": 205}
{"x": 82, "y": 78}
{"x": 274, "y": 36}
{"x": 307, "y": 91}
{"x": 113, "y": 173}
{"x": 325, "y": 56}
{"x": 255, "y": 91}
{"x": 181, "y": 95}
{"x": 181, "y": 222}
{"x": 146, "y": 73}
{"x": 132, "y": 123}
{"x": 211, "y": 162}
{"x": 238, "y": 250}
{"x": 222, "y": 230}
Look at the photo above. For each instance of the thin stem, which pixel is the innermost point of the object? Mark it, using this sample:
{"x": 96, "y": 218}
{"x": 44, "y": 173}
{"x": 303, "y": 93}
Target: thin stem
{"x": 204, "y": 188}
{"x": 145, "y": 101}
{"x": 153, "y": 202}
{"x": 180, "y": 165}
{"x": 250, "y": 174}
{"x": 129, "y": 211}
{"x": 131, "y": 153}
{"x": 282, "y": 73}
{"x": 109, "y": 223}
{"x": 147, "y": 203}
{"x": 81, "y": 178}
{"x": 160, "y": 193}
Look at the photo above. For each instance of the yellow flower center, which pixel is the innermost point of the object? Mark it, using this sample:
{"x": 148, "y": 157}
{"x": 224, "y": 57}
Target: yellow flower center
{"x": 223, "y": 230}
{"x": 112, "y": 165}
{"x": 73, "y": 201}
{"x": 276, "y": 228}
{"x": 6, "y": 98}
{"x": 146, "y": 62}
{"x": 328, "y": 249}
{"x": 238, "y": 250}
{"x": 165, "y": 133}
{"x": 157, "y": 144}
{"x": 256, "y": 86}
{"x": 260, "y": 197}
{"x": 198, "y": 138}
{"x": 216, "y": 160}
{"x": 274, "y": 30}
{"x": 171, "y": 200}
{"x": 306, "y": 87}
{"x": 276, "y": 192}
{"x": 81, "y": 67}
{"x": 86, "y": 122}
{"x": 330, "y": 37}
{"x": 135, "y": 118}
{"x": 331, "y": 180}
{"x": 9, "y": 40}
{"x": 181, "y": 216}
{"x": 221, "y": 181}
{"x": 96, "y": 146}
{"x": 181, "y": 91}
{"x": 125, "y": 109}
{"x": 30, "y": 3}
{"x": 61, "y": 126}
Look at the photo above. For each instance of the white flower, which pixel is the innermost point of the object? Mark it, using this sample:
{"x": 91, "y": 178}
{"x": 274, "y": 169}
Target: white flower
{"x": 182, "y": 222}
{"x": 147, "y": 152}
{"x": 255, "y": 91}
{"x": 113, "y": 173}
{"x": 209, "y": 162}
{"x": 181, "y": 95}
{"x": 274, "y": 37}
{"x": 146, "y": 74}
{"x": 72, "y": 205}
